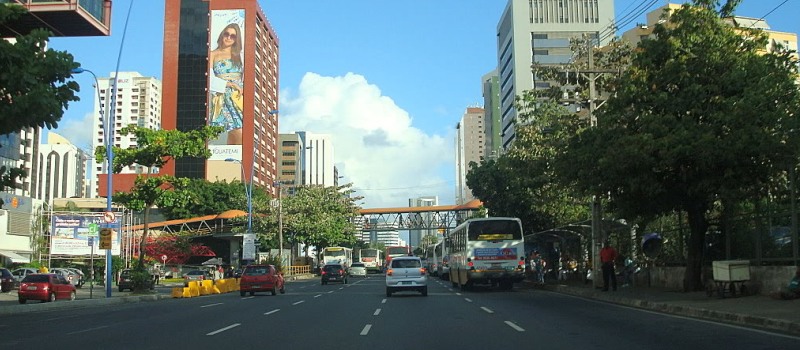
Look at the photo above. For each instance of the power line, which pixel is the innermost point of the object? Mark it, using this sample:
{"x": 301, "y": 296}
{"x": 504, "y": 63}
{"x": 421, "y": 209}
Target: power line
{"x": 768, "y": 13}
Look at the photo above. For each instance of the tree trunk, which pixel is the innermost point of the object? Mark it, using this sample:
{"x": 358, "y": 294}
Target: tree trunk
{"x": 698, "y": 225}
{"x": 143, "y": 243}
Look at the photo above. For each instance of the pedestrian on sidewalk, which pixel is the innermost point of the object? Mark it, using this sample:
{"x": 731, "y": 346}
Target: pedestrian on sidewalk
{"x": 607, "y": 257}
{"x": 537, "y": 265}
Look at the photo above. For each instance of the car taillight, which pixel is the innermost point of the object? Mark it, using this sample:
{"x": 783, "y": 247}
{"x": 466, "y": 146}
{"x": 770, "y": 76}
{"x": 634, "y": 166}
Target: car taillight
{"x": 521, "y": 262}
{"x": 422, "y": 271}
{"x": 389, "y": 272}
{"x": 324, "y": 272}
{"x": 341, "y": 272}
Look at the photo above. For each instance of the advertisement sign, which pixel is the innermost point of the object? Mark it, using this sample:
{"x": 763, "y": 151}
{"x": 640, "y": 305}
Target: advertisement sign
{"x": 70, "y": 234}
{"x": 225, "y": 152}
{"x": 495, "y": 254}
{"x": 249, "y": 247}
{"x": 226, "y": 75}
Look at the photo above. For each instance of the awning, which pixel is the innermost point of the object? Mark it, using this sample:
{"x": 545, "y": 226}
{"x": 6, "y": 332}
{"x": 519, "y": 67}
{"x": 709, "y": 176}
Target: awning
{"x": 14, "y": 257}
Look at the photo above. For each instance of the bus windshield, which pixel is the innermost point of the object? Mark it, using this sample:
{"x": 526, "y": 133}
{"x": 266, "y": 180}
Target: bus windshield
{"x": 397, "y": 251}
{"x": 494, "y": 230}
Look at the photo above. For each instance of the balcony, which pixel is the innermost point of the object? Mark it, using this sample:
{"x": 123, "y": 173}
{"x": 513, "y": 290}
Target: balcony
{"x": 64, "y": 18}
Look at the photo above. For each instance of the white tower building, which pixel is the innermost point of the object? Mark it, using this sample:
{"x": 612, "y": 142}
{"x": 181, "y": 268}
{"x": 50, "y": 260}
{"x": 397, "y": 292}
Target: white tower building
{"x": 62, "y": 169}
{"x": 138, "y": 101}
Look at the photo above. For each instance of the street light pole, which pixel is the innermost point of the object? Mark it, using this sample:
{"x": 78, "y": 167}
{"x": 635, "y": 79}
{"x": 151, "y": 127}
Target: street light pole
{"x": 107, "y": 142}
{"x": 280, "y": 222}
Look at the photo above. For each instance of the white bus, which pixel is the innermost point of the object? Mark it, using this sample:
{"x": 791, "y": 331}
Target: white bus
{"x": 372, "y": 259}
{"x": 486, "y": 251}
{"x": 337, "y": 255}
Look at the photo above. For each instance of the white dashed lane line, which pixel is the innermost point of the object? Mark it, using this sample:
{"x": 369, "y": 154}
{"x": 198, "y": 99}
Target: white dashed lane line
{"x": 383, "y": 301}
{"x": 365, "y": 331}
{"x": 225, "y": 329}
{"x": 512, "y": 325}
{"x": 272, "y": 312}
{"x": 377, "y": 312}
{"x": 484, "y": 308}
{"x": 210, "y": 305}
{"x": 468, "y": 300}
{"x": 299, "y": 302}
{"x": 318, "y": 295}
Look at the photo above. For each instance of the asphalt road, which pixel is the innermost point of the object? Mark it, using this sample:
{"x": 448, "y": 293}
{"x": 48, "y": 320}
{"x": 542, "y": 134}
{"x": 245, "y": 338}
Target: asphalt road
{"x": 360, "y": 316}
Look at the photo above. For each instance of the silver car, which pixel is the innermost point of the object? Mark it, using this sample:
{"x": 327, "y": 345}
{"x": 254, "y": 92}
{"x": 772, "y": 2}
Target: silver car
{"x": 358, "y": 269}
{"x": 71, "y": 276}
{"x": 406, "y": 273}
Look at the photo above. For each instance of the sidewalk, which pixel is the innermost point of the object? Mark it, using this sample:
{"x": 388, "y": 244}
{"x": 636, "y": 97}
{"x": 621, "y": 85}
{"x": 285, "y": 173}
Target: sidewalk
{"x": 755, "y": 311}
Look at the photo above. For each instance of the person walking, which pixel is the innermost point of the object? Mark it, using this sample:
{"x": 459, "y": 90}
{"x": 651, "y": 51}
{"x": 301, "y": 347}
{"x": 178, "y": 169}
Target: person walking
{"x": 607, "y": 257}
{"x": 538, "y": 264}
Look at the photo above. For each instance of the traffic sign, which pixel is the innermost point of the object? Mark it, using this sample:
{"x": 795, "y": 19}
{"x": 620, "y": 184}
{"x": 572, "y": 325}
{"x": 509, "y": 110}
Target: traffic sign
{"x": 90, "y": 241}
{"x": 93, "y": 229}
{"x": 105, "y": 238}
{"x": 109, "y": 217}
{"x": 164, "y": 258}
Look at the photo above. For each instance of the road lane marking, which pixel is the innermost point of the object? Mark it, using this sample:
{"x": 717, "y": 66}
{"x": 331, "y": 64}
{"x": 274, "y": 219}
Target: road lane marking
{"x": 340, "y": 288}
{"x": 250, "y": 297}
{"x": 87, "y": 330}
{"x": 512, "y": 325}
{"x": 330, "y": 292}
{"x": 209, "y": 305}
{"x": 318, "y": 295}
{"x": 377, "y": 311}
{"x": 366, "y": 329}
{"x": 458, "y": 293}
{"x": 225, "y": 329}
{"x": 272, "y": 312}
{"x": 299, "y": 302}
{"x": 484, "y": 308}
{"x": 468, "y": 300}
{"x": 383, "y": 301}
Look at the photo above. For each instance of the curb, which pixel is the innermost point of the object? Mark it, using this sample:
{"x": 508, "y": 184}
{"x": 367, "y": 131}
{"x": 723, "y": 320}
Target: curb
{"x": 75, "y": 304}
{"x": 784, "y": 326}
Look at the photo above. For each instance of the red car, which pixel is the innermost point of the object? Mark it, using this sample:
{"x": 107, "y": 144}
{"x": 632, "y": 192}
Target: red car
{"x": 261, "y": 278}
{"x": 45, "y": 287}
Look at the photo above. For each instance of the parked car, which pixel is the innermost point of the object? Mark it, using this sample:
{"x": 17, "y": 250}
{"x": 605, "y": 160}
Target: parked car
{"x": 80, "y": 273}
{"x": 69, "y": 275}
{"x": 125, "y": 281}
{"x": 20, "y": 273}
{"x": 261, "y": 278}
{"x": 358, "y": 269}
{"x": 333, "y": 273}
{"x": 406, "y": 273}
{"x": 45, "y": 287}
{"x": 196, "y": 275}
{"x": 6, "y": 280}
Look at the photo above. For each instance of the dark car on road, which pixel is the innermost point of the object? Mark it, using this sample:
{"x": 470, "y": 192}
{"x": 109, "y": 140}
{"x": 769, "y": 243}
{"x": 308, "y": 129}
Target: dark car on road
{"x": 334, "y": 273}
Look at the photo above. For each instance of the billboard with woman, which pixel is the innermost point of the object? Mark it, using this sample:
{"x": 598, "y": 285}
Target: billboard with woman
{"x": 226, "y": 68}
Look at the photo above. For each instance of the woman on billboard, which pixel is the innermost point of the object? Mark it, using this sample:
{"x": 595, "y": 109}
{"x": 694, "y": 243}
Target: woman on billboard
{"x": 226, "y": 83}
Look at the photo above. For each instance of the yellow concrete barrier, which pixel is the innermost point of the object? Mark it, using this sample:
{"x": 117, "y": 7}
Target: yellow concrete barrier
{"x": 206, "y": 287}
{"x": 194, "y": 289}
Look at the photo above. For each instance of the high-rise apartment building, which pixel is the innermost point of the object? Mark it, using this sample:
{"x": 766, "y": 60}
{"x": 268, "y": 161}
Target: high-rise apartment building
{"x": 62, "y": 169}
{"x": 540, "y": 31}
{"x": 415, "y": 236}
{"x": 385, "y": 233}
{"x": 137, "y": 101}
{"x": 290, "y": 158}
{"x": 492, "y": 120}
{"x": 317, "y": 164}
{"x": 235, "y": 45}
{"x": 470, "y": 147}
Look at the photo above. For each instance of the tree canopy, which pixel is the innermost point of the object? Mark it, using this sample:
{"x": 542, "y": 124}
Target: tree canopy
{"x": 704, "y": 112}
{"x": 35, "y": 85}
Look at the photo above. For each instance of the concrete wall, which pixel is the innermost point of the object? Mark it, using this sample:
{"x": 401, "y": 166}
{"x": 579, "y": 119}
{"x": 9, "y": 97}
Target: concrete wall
{"x": 763, "y": 279}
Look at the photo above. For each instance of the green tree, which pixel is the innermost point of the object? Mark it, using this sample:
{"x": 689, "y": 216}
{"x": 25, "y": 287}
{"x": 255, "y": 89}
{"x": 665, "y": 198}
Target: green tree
{"x": 34, "y": 84}
{"x": 702, "y": 114}
{"x": 155, "y": 149}
{"x": 521, "y": 182}
{"x": 208, "y": 198}
{"x": 321, "y": 216}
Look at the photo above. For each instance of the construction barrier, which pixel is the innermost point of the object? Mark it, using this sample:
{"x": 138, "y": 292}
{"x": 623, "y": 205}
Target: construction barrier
{"x": 298, "y": 270}
{"x": 206, "y": 287}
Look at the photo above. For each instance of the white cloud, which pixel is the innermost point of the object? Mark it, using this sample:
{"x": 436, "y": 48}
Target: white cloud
{"x": 376, "y": 147}
{"x": 79, "y": 132}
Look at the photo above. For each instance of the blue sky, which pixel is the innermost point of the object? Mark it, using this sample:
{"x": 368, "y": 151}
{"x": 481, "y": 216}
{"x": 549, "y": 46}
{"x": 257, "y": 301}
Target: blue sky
{"x": 402, "y": 72}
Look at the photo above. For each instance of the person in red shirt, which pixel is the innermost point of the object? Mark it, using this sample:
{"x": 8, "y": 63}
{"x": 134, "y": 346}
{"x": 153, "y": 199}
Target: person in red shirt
{"x": 607, "y": 257}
